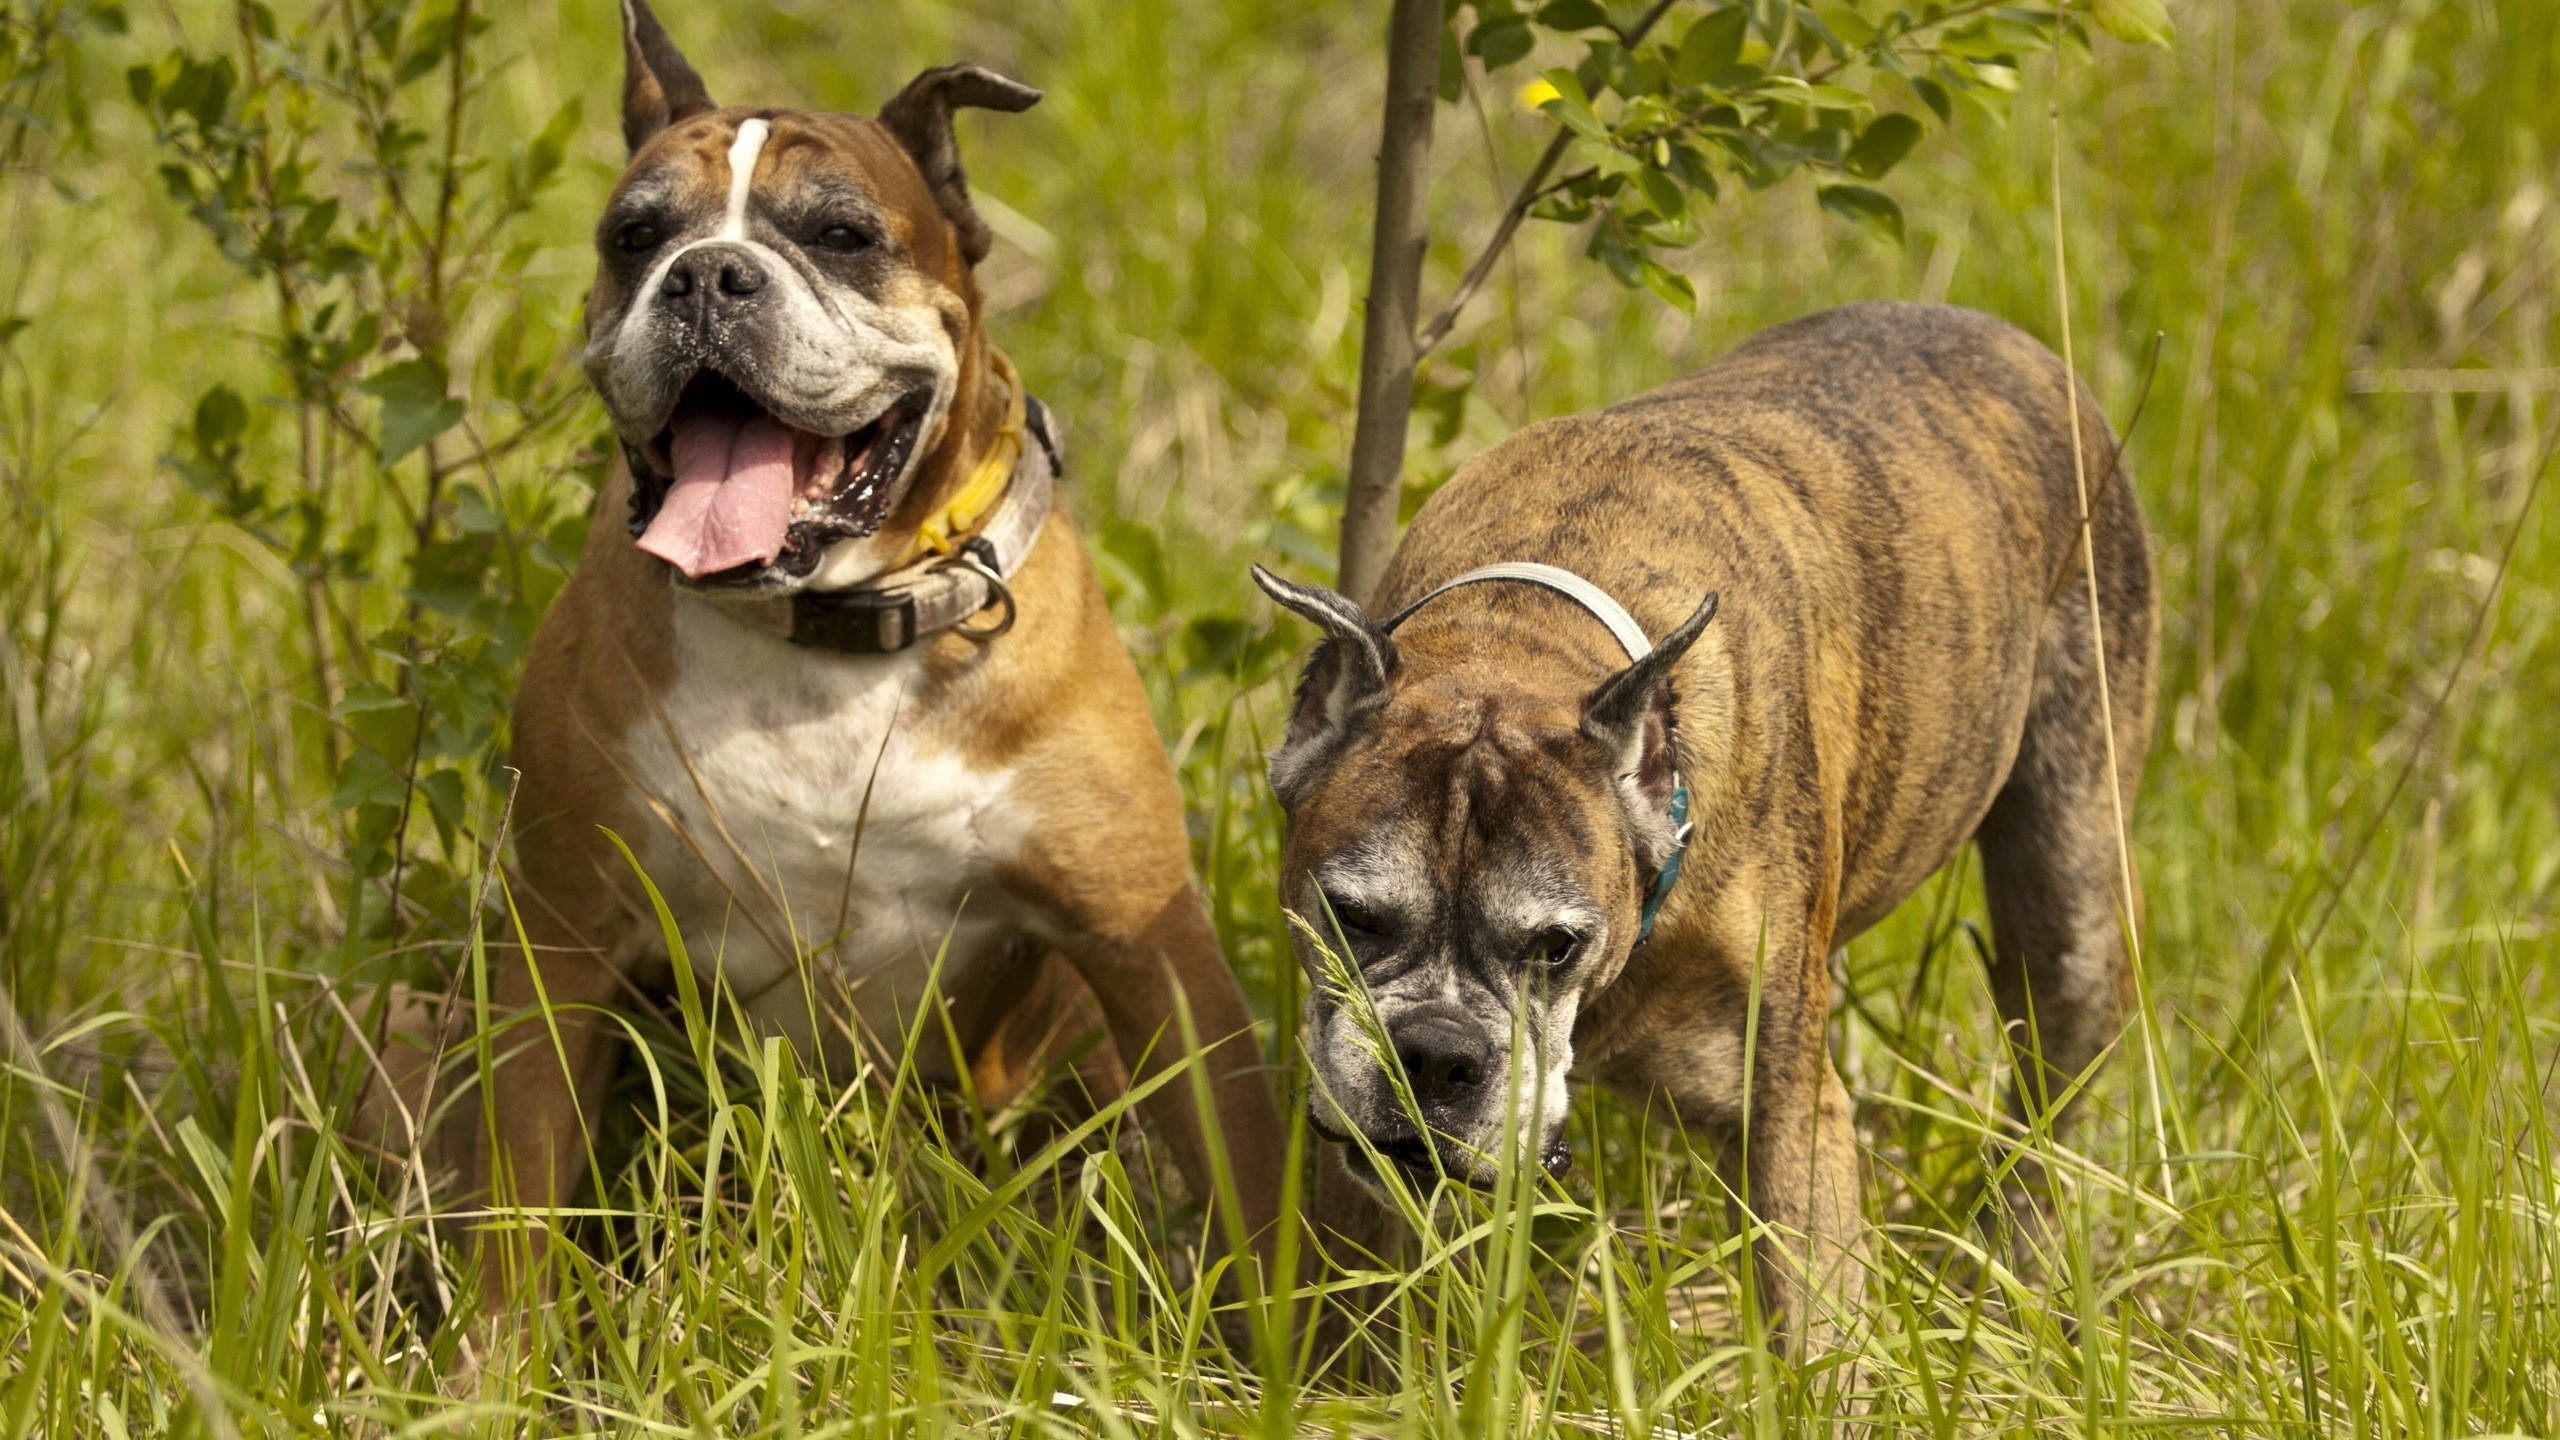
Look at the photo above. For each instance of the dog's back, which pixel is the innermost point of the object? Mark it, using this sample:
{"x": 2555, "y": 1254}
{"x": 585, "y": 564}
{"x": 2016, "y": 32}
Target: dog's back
{"x": 1886, "y": 497}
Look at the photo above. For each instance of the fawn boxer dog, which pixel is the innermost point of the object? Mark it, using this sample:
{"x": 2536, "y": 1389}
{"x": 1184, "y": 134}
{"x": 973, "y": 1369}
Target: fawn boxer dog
{"x": 845, "y": 682}
{"x": 1552, "y": 800}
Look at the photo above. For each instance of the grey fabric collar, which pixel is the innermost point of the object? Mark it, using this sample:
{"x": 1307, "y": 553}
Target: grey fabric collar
{"x": 1591, "y": 597}
{"x": 891, "y": 613}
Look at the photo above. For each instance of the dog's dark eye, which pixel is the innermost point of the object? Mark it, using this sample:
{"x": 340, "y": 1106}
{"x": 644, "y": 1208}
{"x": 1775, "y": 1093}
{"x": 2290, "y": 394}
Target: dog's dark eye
{"x": 1553, "y": 949}
{"x": 1356, "y": 920}
{"x": 844, "y": 238}
{"x": 637, "y": 236}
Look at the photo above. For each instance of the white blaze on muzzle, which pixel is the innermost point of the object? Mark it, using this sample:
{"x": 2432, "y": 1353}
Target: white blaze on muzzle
{"x": 742, "y": 176}
{"x": 744, "y": 151}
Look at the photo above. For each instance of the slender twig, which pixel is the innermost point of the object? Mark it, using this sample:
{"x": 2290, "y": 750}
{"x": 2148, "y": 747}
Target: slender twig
{"x": 315, "y": 584}
{"x": 1531, "y": 191}
{"x": 1397, "y": 242}
{"x": 2473, "y": 646}
{"x": 1512, "y": 214}
{"x": 449, "y": 187}
{"x": 361, "y": 94}
{"x": 2115, "y": 458}
{"x": 2131, "y": 896}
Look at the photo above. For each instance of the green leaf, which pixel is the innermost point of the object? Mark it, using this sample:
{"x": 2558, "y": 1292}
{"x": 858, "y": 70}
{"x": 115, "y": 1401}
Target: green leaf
{"x": 443, "y": 790}
{"x": 2136, "y": 22}
{"x": 1572, "y": 15}
{"x": 415, "y": 408}
{"x": 1837, "y": 97}
{"x": 1626, "y": 15}
{"x": 1692, "y": 166}
{"x": 1997, "y": 77}
{"x": 366, "y": 778}
{"x": 1563, "y": 207}
{"x": 222, "y": 417}
{"x": 542, "y": 158}
{"x": 1712, "y": 44}
{"x": 1677, "y": 234}
{"x": 1935, "y": 96}
{"x": 451, "y": 577}
{"x": 202, "y": 91}
{"x": 1855, "y": 30}
{"x": 382, "y": 722}
{"x": 1997, "y": 37}
{"x": 1870, "y": 210}
{"x": 1670, "y": 284}
{"x": 1571, "y": 106}
{"x": 1663, "y": 193}
{"x": 1882, "y": 146}
{"x": 1609, "y": 246}
{"x": 1500, "y": 42}
{"x": 1604, "y": 157}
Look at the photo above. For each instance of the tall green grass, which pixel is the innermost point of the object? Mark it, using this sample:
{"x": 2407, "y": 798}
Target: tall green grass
{"x": 2338, "y": 1216}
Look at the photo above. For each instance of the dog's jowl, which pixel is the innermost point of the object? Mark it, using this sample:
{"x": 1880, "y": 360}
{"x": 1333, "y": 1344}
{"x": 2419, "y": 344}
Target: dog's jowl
{"x": 1852, "y": 631}
{"x": 833, "y": 664}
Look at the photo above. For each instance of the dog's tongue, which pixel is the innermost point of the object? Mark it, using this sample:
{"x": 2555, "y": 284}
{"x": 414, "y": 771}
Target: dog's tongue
{"x": 731, "y": 503}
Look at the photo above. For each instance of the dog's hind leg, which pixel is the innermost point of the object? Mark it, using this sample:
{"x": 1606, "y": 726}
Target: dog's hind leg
{"x": 2052, "y": 867}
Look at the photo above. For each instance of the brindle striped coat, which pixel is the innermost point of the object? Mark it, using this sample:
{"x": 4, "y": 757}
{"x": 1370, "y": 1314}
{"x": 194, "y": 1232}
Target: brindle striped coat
{"x": 1885, "y": 499}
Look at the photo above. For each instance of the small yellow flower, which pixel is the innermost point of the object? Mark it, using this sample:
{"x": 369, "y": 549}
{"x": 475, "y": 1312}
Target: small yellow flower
{"x": 1537, "y": 93}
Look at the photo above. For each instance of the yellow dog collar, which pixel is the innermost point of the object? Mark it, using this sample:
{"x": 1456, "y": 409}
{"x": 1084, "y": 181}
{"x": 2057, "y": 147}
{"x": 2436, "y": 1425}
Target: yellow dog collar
{"x": 942, "y": 531}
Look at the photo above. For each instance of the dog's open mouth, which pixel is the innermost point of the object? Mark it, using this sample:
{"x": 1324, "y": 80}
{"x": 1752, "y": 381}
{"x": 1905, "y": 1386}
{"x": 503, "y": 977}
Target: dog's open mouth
{"x": 1413, "y": 1155}
{"x": 1409, "y": 1153}
{"x": 729, "y": 489}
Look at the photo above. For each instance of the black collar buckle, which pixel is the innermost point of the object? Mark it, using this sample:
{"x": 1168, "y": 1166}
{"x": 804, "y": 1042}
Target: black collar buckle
{"x": 859, "y": 622}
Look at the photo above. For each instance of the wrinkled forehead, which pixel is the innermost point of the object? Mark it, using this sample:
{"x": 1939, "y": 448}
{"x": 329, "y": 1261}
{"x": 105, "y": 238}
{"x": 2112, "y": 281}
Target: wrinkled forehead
{"x": 1491, "y": 815}
{"x": 802, "y": 160}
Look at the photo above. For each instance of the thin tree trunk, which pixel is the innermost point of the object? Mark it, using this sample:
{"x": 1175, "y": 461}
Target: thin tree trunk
{"x": 1395, "y": 284}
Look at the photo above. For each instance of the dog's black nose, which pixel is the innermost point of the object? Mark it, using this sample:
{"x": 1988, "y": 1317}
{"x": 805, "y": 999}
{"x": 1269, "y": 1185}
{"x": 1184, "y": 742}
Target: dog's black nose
{"x": 1446, "y": 1059}
{"x": 732, "y": 272}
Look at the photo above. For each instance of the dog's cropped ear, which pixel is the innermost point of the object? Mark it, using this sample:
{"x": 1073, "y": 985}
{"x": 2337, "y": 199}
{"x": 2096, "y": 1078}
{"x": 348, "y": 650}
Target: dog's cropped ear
{"x": 1346, "y": 680}
{"x": 920, "y": 118}
{"x": 1629, "y": 718}
{"x": 658, "y": 87}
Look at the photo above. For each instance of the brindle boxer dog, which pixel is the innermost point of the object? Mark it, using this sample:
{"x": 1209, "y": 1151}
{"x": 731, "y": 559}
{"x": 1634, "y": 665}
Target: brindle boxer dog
{"x": 845, "y": 683}
{"x": 1878, "y": 509}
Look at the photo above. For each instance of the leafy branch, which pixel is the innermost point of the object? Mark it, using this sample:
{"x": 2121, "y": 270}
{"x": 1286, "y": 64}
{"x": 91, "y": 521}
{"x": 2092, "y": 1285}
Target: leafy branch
{"x": 1656, "y": 120}
{"x": 335, "y": 163}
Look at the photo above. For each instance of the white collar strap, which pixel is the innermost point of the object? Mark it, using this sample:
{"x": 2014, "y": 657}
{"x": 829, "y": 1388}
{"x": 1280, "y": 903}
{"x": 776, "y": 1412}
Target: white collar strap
{"x": 1589, "y": 596}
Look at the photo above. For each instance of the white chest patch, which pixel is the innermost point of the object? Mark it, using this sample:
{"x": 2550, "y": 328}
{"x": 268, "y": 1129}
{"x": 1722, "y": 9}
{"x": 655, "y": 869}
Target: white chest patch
{"x": 778, "y": 746}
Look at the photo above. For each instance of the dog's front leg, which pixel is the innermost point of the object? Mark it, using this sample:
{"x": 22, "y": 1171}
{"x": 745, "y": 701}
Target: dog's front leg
{"x": 553, "y": 1057}
{"x": 1788, "y": 1154}
{"x": 1799, "y": 1165}
{"x": 1147, "y": 971}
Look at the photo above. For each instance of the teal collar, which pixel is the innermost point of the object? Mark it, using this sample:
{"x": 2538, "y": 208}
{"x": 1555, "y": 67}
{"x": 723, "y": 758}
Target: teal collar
{"x": 1664, "y": 878}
